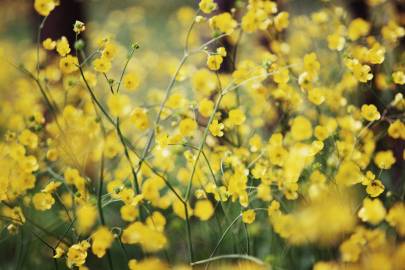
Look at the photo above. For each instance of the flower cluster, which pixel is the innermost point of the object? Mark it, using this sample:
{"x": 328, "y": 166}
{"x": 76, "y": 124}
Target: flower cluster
{"x": 274, "y": 133}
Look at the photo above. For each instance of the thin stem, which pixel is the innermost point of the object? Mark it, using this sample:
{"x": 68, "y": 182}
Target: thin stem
{"x": 232, "y": 257}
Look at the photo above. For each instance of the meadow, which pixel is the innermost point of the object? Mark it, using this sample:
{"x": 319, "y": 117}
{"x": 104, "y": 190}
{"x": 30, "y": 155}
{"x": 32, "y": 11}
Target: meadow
{"x": 209, "y": 134}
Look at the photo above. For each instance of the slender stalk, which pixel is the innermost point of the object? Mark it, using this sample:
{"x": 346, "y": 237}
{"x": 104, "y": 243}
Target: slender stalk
{"x": 230, "y": 256}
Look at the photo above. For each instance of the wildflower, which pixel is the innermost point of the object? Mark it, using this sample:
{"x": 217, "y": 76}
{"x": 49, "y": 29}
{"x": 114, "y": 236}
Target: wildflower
{"x": 301, "y": 128}
{"x": 58, "y": 252}
{"x": 77, "y": 254}
{"x": 129, "y": 212}
{"x": 149, "y": 238}
{"x": 223, "y": 23}
{"x": 187, "y": 126}
{"x": 52, "y": 154}
{"x": 370, "y": 112}
{"x": 51, "y": 187}
{"x": 373, "y": 211}
{"x": 392, "y": 32}
{"x": 28, "y": 138}
{"x": 68, "y": 64}
{"x": 316, "y": 96}
{"x": 102, "y": 65}
{"x": 207, "y": 6}
{"x": 375, "y": 55}
{"x": 206, "y": 107}
{"x": 86, "y": 217}
{"x": 44, "y": 7}
{"x": 62, "y": 46}
{"x": 336, "y": 42}
{"x": 311, "y": 65}
{"x": 384, "y": 159}
{"x": 281, "y": 76}
{"x": 358, "y": 28}
{"x": 102, "y": 239}
{"x": 362, "y": 72}
{"x": 236, "y": 117}
{"x": 131, "y": 81}
{"x": 109, "y": 51}
{"x": 399, "y": 77}
{"x": 43, "y": 201}
{"x": 119, "y": 105}
{"x": 203, "y": 209}
{"x": 221, "y": 51}
{"x": 78, "y": 27}
{"x": 49, "y": 44}
{"x": 248, "y": 216}
{"x": 216, "y": 128}
{"x": 156, "y": 221}
{"x": 396, "y": 130}
{"x": 214, "y": 62}
{"x": 348, "y": 174}
{"x": 396, "y": 217}
{"x": 281, "y": 21}
{"x": 140, "y": 118}
{"x": 375, "y": 188}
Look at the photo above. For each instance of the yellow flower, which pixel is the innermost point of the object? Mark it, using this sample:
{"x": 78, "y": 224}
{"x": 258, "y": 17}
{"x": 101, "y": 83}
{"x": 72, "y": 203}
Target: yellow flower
{"x": 68, "y": 64}
{"x": 397, "y": 130}
{"x": 373, "y": 211}
{"x": 150, "y": 239}
{"x": 248, "y": 216}
{"x": 301, "y": 128}
{"x": 370, "y": 112}
{"x": 311, "y": 65}
{"x": 281, "y": 76}
{"x": 119, "y": 105}
{"x": 221, "y": 51}
{"x": 336, "y": 42}
{"x": 49, "y": 44}
{"x": 214, "y": 61}
{"x": 396, "y": 217}
{"x": 129, "y": 212}
{"x": 206, "y": 107}
{"x": 109, "y": 51}
{"x": 131, "y": 81}
{"x": 236, "y": 117}
{"x": 28, "y": 139}
{"x": 223, "y": 23}
{"x": 156, "y": 221}
{"x": 375, "y": 188}
{"x": 398, "y": 77}
{"x": 43, "y": 201}
{"x": 392, "y": 31}
{"x": 375, "y": 55}
{"x": 281, "y": 21}
{"x": 51, "y": 187}
{"x": 58, "y": 253}
{"x": 187, "y": 126}
{"x": 316, "y": 96}
{"x": 348, "y": 174}
{"x": 62, "y": 46}
{"x": 216, "y": 128}
{"x": 384, "y": 159}
{"x": 86, "y": 217}
{"x": 207, "y": 6}
{"x": 79, "y": 27}
{"x": 102, "y": 240}
{"x": 102, "y": 65}
{"x": 203, "y": 209}
{"x": 44, "y": 7}
{"x": 140, "y": 118}
{"x": 77, "y": 254}
{"x": 358, "y": 28}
